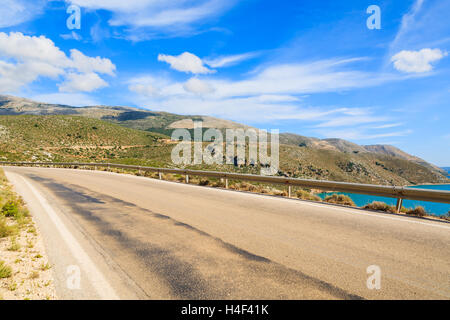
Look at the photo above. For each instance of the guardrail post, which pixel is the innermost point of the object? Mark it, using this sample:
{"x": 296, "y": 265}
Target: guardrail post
{"x": 289, "y": 191}
{"x": 160, "y": 175}
{"x": 226, "y": 183}
{"x": 398, "y": 207}
{"x": 187, "y": 178}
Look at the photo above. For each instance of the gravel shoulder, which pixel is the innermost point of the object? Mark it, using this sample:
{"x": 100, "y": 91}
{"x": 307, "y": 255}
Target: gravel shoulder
{"x": 25, "y": 271}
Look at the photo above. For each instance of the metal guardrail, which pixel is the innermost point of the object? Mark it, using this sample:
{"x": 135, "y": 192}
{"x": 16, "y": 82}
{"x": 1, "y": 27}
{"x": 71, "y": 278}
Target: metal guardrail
{"x": 399, "y": 193}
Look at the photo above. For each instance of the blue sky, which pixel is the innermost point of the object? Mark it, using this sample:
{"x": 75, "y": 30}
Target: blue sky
{"x": 308, "y": 67}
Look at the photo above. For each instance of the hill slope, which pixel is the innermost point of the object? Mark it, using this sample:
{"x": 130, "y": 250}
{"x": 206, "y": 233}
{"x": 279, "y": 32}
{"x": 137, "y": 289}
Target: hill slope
{"x": 127, "y": 116}
{"x": 75, "y": 138}
{"x": 339, "y": 159}
{"x": 65, "y": 138}
{"x": 396, "y": 152}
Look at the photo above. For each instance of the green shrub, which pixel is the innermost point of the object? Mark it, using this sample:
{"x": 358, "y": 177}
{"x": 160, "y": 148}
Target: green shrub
{"x": 417, "y": 211}
{"x": 340, "y": 199}
{"x": 5, "y": 271}
{"x": 10, "y": 209}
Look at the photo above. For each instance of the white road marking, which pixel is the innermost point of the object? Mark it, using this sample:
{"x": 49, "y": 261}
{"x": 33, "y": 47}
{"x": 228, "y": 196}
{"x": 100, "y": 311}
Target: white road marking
{"x": 405, "y": 219}
{"x": 97, "y": 280}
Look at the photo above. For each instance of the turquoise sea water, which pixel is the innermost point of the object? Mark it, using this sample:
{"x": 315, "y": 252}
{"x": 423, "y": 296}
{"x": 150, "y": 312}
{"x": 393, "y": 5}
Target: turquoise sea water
{"x": 431, "y": 207}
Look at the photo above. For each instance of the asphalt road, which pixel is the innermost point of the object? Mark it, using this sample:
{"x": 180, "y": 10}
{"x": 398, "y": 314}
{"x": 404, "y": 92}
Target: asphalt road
{"x": 128, "y": 237}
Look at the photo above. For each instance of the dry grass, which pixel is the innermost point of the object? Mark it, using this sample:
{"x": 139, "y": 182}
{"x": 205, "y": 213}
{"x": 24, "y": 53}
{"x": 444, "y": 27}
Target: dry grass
{"x": 417, "y": 211}
{"x": 380, "y": 206}
{"x": 15, "y": 246}
{"x": 340, "y": 199}
{"x": 5, "y": 229}
{"x": 305, "y": 195}
{"x": 5, "y": 271}
{"x": 45, "y": 266}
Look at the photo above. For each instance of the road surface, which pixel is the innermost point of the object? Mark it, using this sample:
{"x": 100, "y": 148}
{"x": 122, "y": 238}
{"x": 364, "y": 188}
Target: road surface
{"x": 128, "y": 237}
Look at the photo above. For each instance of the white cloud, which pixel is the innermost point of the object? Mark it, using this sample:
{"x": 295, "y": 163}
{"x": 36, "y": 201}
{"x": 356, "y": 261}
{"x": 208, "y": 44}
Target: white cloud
{"x": 273, "y": 94}
{"x": 357, "y": 134}
{"x": 84, "y": 82}
{"x": 155, "y": 87}
{"x": 407, "y": 23}
{"x": 282, "y": 80}
{"x": 26, "y": 48}
{"x": 387, "y": 125}
{"x": 71, "y": 36}
{"x": 197, "y": 86}
{"x": 14, "y": 12}
{"x": 185, "y": 62}
{"x": 24, "y": 59}
{"x": 98, "y": 33}
{"x": 299, "y": 78}
{"x": 423, "y": 26}
{"x": 267, "y": 94}
{"x": 70, "y": 99}
{"x": 88, "y": 64}
{"x": 350, "y": 119}
{"x": 158, "y": 14}
{"x": 276, "y": 98}
{"x": 226, "y": 61}
{"x": 146, "y": 90}
{"x": 417, "y": 61}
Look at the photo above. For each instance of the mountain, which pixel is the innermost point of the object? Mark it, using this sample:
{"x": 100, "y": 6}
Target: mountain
{"x": 345, "y": 146}
{"x": 32, "y": 130}
{"x": 127, "y": 116}
{"x": 350, "y": 147}
{"x": 395, "y": 152}
{"x": 62, "y": 138}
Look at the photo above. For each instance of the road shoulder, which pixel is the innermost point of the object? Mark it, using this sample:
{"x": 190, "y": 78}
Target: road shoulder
{"x": 25, "y": 270}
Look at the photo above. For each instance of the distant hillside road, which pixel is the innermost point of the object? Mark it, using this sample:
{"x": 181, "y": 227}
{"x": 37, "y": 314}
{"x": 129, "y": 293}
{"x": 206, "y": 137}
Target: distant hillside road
{"x": 129, "y": 237}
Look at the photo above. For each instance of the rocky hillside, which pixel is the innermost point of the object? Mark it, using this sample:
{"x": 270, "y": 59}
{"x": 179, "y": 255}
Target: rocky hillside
{"x": 145, "y": 142}
{"x": 127, "y": 116}
{"x": 395, "y": 152}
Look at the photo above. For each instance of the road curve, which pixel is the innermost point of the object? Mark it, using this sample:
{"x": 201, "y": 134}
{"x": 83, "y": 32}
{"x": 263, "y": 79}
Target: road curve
{"x": 139, "y": 238}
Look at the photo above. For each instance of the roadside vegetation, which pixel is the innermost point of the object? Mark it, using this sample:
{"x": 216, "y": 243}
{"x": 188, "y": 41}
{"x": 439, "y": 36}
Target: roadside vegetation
{"x": 340, "y": 199}
{"x": 418, "y": 211}
{"x": 21, "y": 251}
